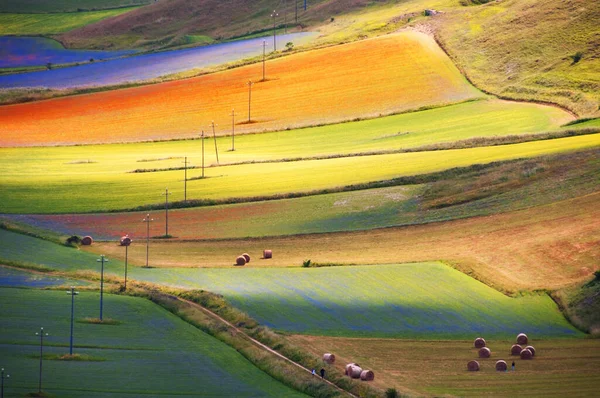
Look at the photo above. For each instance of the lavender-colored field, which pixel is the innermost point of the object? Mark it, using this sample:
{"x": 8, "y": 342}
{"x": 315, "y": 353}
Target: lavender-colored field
{"x": 148, "y": 66}
{"x": 38, "y": 51}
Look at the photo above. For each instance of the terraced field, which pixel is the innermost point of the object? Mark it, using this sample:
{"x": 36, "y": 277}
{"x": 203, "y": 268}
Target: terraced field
{"x": 26, "y": 189}
{"x": 135, "y": 69}
{"x": 432, "y": 368}
{"x": 39, "y": 51}
{"x": 49, "y": 24}
{"x": 382, "y": 300}
{"x": 416, "y": 73}
{"x": 43, "y": 6}
{"x": 545, "y": 247}
{"x": 161, "y": 340}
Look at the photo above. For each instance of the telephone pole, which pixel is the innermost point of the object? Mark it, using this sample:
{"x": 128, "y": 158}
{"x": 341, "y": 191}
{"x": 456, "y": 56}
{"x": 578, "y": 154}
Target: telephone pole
{"x": 185, "y": 165}
{"x": 215, "y": 140}
{"x": 233, "y": 130}
{"x": 102, "y": 260}
{"x": 73, "y": 293}
{"x": 273, "y": 15}
{"x": 166, "y": 212}
{"x": 41, "y": 334}
{"x": 263, "y": 64}
{"x": 249, "y": 97}
{"x": 202, "y": 138}
{"x": 147, "y": 220}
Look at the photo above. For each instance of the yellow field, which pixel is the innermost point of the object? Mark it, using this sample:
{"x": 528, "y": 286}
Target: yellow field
{"x": 439, "y": 368}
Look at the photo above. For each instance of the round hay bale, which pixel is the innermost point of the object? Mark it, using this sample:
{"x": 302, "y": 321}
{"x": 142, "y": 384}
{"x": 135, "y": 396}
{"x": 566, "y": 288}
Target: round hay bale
{"x": 526, "y": 354}
{"x": 485, "y": 352}
{"x": 87, "y": 240}
{"x": 355, "y": 371}
{"x": 247, "y": 257}
{"x": 501, "y": 366}
{"x": 522, "y": 339}
{"x": 240, "y": 260}
{"x": 347, "y": 368}
{"x": 367, "y": 375}
{"x": 328, "y": 358}
{"x": 479, "y": 342}
{"x": 267, "y": 253}
{"x": 515, "y": 349}
{"x": 125, "y": 240}
{"x": 473, "y": 366}
{"x": 530, "y": 348}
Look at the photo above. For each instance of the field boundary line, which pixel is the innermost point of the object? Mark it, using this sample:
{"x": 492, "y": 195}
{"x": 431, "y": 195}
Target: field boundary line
{"x": 258, "y": 343}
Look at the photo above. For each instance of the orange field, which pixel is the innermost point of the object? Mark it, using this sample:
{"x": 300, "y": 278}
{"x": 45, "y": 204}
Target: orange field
{"x": 322, "y": 86}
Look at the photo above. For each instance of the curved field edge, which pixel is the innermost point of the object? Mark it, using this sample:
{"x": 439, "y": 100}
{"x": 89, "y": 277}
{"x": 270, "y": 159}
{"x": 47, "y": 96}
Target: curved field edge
{"x": 161, "y": 339}
{"x": 417, "y": 69}
{"x": 445, "y": 196}
{"x": 28, "y": 195}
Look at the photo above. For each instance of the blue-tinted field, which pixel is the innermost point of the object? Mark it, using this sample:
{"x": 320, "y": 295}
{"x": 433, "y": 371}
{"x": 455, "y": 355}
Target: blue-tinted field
{"x": 146, "y": 66}
{"x": 150, "y": 353}
{"x": 38, "y": 51}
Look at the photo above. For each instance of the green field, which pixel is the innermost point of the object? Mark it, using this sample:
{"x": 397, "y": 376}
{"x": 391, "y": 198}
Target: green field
{"x": 421, "y": 300}
{"x": 149, "y": 353}
{"x": 96, "y": 187}
{"x": 54, "y": 6}
{"x": 49, "y": 24}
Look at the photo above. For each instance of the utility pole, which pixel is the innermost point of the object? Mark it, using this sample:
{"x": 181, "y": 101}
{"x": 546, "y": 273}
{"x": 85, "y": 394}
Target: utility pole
{"x": 147, "y": 220}
{"x": 102, "y": 260}
{"x": 273, "y": 15}
{"x": 296, "y": 3}
{"x": 166, "y": 212}
{"x": 41, "y": 334}
{"x": 73, "y": 293}
{"x": 185, "y": 164}
{"x": 233, "y": 130}
{"x": 125, "y": 241}
{"x": 249, "y": 97}
{"x": 202, "y": 135}
{"x": 264, "y": 52}
{"x": 215, "y": 140}
{"x": 285, "y": 17}
{"x": 304, "y": 5}
{"x": 2, "y": 389}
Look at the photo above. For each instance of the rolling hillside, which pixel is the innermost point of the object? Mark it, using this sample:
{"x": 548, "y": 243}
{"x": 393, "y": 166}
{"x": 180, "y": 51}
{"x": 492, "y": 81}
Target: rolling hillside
{"x": 533, "y": 50}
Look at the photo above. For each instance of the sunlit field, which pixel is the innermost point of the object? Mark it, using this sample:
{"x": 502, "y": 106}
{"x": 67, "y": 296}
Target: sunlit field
{"x": 297, "y": 92}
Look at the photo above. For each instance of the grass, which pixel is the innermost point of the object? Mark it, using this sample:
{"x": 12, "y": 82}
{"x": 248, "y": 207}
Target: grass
{"x": 50, "y": 24}
{"x": 421, "y": 300}
{"x": 58, "y": 6}
{"x": 503, "y": 53}
{"x": 434, "y": 368}
{"x": 25, "y": 189}
{"x": 418, "y": 70}
{"x": 471, "y": 192}
{"x": 162, "y": 340}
